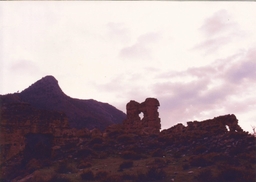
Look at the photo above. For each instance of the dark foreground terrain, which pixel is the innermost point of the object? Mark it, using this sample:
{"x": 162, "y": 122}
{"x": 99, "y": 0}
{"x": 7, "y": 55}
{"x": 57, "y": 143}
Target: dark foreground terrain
{"x": 189, "y": 156}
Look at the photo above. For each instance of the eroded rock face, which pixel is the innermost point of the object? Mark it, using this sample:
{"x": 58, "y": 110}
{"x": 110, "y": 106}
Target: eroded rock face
{"x": 150, "y": 123}
{"x": 20, "y": 123}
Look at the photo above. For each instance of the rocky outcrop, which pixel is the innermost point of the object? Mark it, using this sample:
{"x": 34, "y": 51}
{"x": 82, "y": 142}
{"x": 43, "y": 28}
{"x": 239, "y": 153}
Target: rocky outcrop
{"x": 20, "y": 122}
{"x": 150, "y": 123}
{"x": 35, "y": 133}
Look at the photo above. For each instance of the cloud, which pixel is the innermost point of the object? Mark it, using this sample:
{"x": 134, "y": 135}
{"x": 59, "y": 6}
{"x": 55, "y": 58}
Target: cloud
{"x": 118, "y": 31}
{"x": 218, "y": 23}
{"x": 25, "y": 67}
{"x": 244, "y": 71}
{"x": 142, "y": 48}
{"x": 226, "y": 86}
{"x": 212, "y": 45}
{"x": 219, "y": 32}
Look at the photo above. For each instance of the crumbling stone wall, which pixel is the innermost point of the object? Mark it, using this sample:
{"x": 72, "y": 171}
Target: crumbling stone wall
{"x": 216, "y": 125}
{"x": 150, "y": 123}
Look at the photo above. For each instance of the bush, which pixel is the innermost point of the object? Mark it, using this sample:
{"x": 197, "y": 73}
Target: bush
{"x": 126, "y": 165}
{"x": 177, "y": 154}
{"x": 130, "y": 155}
{"x": 137, "y": 149}
{"x": 112, "y": 178}
{"x": 185, "y": 166}
{"x": 96, "y": 140}
{"x": 199, "y": 161}
{"x": 199, "y": 150}
{"x": 83, "y": 153}
{"x": 64, "y": 167}
{"x": 158, "y": 153}
{"x": 235, "y": 174}
{"x": 205, "y": 175}
{"x": 83, "y": 165}
{"x": 101, "y": 175}
{"x": 98, "y": 147}
{"x": 125, "y": 139}
{"x": 140, "y": 177}
{"x": 87, "y": 175}
{"x": 57, "y": 178}
{"x": 155, "y": 174}
{"x": 33, "y": 165}
{"x": 159, "y": 163}
{"x": 128, "y": 177}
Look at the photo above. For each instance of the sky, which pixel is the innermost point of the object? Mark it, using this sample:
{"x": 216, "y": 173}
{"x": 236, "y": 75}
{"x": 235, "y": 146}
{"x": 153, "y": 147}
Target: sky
{"x": 196, "y": 58}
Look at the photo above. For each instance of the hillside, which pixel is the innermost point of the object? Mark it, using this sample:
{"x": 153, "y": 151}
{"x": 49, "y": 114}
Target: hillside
{"x": 193, "y": 155}
{"x": 46, "y": 94}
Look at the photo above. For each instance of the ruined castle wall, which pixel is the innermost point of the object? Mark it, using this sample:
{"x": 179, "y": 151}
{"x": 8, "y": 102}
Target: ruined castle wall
{"x": 150, "y": 123}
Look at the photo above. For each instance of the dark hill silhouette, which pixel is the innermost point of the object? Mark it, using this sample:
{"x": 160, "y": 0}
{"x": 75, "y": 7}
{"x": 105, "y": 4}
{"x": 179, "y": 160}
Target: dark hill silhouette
{"x": 46, "y": 94}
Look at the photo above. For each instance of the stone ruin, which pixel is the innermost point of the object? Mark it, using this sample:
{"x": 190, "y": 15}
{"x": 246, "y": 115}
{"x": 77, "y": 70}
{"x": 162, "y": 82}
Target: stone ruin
{"x": 149, "y": 124}
{"x": 217, "y": 125}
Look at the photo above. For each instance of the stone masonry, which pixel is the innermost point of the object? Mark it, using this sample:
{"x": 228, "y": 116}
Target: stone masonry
{"x": 150, "y": 123}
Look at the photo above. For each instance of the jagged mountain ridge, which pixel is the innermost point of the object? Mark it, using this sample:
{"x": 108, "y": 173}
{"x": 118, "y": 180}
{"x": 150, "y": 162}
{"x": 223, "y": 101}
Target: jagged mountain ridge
{"x": 46, "y": 94}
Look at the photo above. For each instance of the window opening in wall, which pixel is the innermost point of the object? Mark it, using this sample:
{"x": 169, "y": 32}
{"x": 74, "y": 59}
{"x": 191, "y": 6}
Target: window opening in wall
{"x": 227, "y": 127}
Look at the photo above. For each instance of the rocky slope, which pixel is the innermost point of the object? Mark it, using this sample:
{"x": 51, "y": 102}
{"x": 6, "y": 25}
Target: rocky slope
{"x": 46, "y": 94}
{"x": 194, "y": 154}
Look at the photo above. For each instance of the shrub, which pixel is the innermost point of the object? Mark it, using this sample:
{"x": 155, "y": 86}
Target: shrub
{"x": 64, "y": 167}
{"x": 158, "y": 153}
{"x": 42, "y": 176}
{"x": 159, "y": 163}
{"x": 140, "y": 177}
{"x": 229, "y": 174}
{"x": 87, "y": 175}
{"x": 101, "y": 175}
{"x": 83, "y": 165}
{"x": 199, "y": 150}
{"x": 102, "y": 155}
{"x": 130, "y": 155}
{"x": 205, "y": 175}
{"x": 235, "y": 174}
{"x": 96, "y": 140}
{"x": 57, "y": 178}
{"x": 199, "y": 161}
{"x": 137, "y": 149}
{"x": 98, "y": 147}
{"x": 126, "y": 165}
{"x": 177, "y": 154}
{"x": 236, "y": 150}
{"x": 83, "y": 153}
{"x": 185, "y": 166}
{"x": 69, "y": 146}
{"x": 112, "y": 178}
{"x": 251, "y": 157}
{"x": 155, "y": 174}
{"x": 33, "y": 165}
{"x": 152, "y": 144}
{"x": 128, "y": 177}
{"x": 125, "y": 139}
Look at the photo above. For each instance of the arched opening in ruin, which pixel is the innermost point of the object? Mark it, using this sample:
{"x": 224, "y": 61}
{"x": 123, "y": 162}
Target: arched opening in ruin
{"x": 141, "y": 115}
{"x": 227, "y": 127}
{"x": 37, "y": 146}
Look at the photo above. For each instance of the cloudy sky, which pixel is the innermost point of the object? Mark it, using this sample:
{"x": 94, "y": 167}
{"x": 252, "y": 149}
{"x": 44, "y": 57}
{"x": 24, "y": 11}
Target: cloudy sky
{"x": 196, "y": 58}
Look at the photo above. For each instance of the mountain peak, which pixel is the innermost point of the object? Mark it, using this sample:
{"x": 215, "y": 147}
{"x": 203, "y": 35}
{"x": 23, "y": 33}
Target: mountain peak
{"x": 46, "y": 85}
{"x": 50, "y": 79}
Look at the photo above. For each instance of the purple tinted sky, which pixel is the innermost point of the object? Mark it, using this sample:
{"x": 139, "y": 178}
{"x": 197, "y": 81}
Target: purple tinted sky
{"x": 197, "y": 58}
